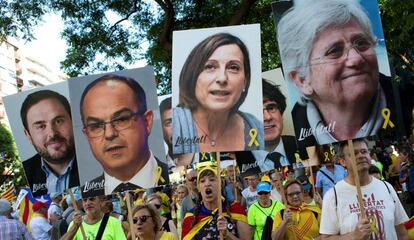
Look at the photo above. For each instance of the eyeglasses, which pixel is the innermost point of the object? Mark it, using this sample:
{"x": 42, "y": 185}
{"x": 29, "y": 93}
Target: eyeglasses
{"x": 192, "y": 179}
{"x": 142, "y": 219}
{"x": 293, "y": 194}
{"x": 271, "y": 107}
{"x": 263, "y": 193}
{"x": 91, "y": 199}
{"x": 157, "y": 206}
{"x": 119, "y": 123}
{"x": 338, "y": 51}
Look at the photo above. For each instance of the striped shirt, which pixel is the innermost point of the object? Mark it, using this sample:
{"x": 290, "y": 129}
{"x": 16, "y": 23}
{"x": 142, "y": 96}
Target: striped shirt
{"x": 11, "y": 229}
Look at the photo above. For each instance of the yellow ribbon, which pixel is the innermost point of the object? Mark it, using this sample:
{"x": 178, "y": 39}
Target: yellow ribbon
{"x": 297, "y": 156}
{"x": 253, "y": 136}
{"x": 326, "y": 156}
{"x": 386, "y": 113}
{"x": 373, "y": 225}
{"x": 204, "y": 155}
{"x": 158, "y": 174}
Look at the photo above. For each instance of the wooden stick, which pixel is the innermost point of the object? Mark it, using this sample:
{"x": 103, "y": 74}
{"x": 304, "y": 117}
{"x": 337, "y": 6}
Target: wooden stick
{"x": 220, "y": 211}
{"x": 356, "y": 179}
{"x": 311, "y": 175}
{"x": 75, "y": 206}
{"x": 282, "y": 190}
{"x": 235, "y": 181}
{"x": 131, "y": 224}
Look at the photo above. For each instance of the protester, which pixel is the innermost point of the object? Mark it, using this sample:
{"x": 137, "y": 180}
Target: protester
{"x": 55, "y": 210}
{"x": 203, "y": 222}
{"x": 341, "y": 215}
{"x": 275, "y": 194}
{"x": 182, "y": 192}
{"x": 190, "y": 200}
{"x": 233, "y": 185}
{"x": 11, "y": 229}
{"x": 261, "y": 213}
{"x": 298, "y": 220}
{"x": 95, "y": 223}
{"x": 147, "y": 222}
{"x": 250, "y": 194}
{"x": 40, "y": 227}
{"x": 167, "y": 225}
{"x": 309, "y": 196}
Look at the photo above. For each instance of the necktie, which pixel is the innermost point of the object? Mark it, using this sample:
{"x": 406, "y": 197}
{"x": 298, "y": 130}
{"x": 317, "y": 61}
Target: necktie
{"x": 122, "y": 187}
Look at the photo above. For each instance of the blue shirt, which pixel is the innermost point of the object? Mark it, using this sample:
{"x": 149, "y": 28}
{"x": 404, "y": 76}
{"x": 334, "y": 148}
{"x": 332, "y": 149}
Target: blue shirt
{"x": 11, "y": 229}
{"x": 324, "y": 182}
{"x": 57, "y": 184}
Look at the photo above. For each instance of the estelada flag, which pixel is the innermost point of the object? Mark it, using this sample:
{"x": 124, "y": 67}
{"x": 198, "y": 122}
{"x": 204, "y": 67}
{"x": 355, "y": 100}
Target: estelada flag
{"x": 9, "y": 194}
{"x": 26, "y": 212}
{"x": 205, "y": 216}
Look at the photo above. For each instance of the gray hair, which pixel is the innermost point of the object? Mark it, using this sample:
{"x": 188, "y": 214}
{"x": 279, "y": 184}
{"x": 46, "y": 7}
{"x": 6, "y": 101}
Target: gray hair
{"x": 301, "y": 25}
{"x": 5, "y": 207}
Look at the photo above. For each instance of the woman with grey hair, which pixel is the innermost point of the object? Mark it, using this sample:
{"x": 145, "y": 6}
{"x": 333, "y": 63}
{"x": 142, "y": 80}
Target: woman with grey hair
{"x": 328, "y": 51}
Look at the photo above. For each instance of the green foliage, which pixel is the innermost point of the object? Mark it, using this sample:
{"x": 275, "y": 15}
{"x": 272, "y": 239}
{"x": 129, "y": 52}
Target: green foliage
{"x": 10, "y": 165}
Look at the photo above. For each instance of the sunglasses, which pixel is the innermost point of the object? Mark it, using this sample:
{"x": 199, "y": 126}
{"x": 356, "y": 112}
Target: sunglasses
{"x": 157, "y": 206}
{"x": 263, "y": 193}
{"x": 142, "y": 219}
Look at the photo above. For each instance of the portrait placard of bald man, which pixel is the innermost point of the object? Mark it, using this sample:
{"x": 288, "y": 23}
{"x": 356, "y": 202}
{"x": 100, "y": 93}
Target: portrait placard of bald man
{"x": 119, "y": 119}
{"x": 44, "y": 136}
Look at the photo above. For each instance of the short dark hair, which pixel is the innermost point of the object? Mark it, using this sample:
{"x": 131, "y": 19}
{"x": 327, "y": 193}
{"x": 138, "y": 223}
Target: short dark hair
{"x": 35, "y": 97}
{"x": 273, "y": 93}
{"x": 343, "y": 144}
{"x": 194, "y": 65}
{"x": 139, "y": 92}
{"x": 165, "y": 105}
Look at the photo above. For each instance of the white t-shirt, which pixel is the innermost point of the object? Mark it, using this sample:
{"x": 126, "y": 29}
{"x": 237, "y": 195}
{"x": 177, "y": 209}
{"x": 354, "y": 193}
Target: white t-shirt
{"x": 249, "y": 196}
{"x": 342, "y": 217}
{"x": 40, "y": 228}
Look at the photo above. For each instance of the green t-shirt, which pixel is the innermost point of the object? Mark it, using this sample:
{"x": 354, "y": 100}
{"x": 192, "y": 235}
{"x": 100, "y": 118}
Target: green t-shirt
{"x": 256, "y": 216}
{"x": 113, "y": 230}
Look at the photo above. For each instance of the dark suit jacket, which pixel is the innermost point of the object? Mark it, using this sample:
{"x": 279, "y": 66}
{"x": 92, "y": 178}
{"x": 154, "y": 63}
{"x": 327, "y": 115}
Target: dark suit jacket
{"x": 36, "y": 177}
{"x": 96, "y": 187}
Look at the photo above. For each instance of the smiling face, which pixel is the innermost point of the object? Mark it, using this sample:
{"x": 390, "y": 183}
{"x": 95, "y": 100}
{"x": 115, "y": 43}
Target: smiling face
{"x": 50, "y": 131}
{"x": 222, "y": 80}
{"x": 273, "y": 121}
{"x": 346, "y": 81}
{"x": 117, "y": 150}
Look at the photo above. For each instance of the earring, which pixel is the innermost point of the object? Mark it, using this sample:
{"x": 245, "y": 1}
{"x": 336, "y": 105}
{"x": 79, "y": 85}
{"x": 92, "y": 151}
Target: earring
{"x": 244, "y": 90}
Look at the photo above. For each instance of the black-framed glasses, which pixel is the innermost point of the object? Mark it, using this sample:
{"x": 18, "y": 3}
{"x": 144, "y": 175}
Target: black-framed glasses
{"x": 142, "y": 219}
{"x": 157, "y": 206}
{"x": 263, "y": 193}
{"x": 271, "y": 107}
{"x": 339, "y": 51}
{"x": 119, "y": 123}
{"x": 292, "y": 194}
{"x": 91, "y": 199}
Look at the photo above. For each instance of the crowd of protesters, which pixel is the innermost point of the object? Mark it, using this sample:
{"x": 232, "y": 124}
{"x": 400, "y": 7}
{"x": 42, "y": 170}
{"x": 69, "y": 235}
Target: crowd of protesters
{"x": 284, "y": 203}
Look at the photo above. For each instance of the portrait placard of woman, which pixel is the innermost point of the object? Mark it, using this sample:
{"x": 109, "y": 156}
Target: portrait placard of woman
{"x": 332, "y": 61}
{"x": 213, "y": 86}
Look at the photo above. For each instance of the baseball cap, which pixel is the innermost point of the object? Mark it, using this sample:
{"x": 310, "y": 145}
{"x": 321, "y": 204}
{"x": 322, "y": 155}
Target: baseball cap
{"x": 38, "y": 205}
{"x": 263, "y": 187}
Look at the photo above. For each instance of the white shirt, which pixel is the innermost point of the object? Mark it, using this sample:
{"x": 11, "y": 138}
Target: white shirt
{"x": 54, "y": 208}
{"x": 267, "y": 164}
{"x": 146, "y": 177}
{"x": 40, "y": 228}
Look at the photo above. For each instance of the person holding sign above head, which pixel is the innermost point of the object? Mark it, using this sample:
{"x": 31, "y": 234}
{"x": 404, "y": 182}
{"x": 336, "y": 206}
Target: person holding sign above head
{"x": 328, "y": 53}
{"x": 341, "y": 213}
{"x": 117, "y": 124}
{"x": 214, "y": 83}
{"x": 47, "y": 124}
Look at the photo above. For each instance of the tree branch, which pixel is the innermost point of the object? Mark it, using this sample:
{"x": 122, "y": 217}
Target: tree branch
{"x": 244, "y": 9}
{"x": 168, "y": 8}
{"x": 134, "y": 10}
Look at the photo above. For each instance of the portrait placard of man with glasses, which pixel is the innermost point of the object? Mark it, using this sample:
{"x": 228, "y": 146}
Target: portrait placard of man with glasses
{"x": 117, "y": 124}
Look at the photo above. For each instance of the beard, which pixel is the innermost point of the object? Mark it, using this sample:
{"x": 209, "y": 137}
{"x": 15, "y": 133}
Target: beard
{"x": 59, "y": 156}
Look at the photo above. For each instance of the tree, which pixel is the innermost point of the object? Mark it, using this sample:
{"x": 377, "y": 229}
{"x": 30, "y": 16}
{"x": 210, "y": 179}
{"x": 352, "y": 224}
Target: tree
{"x": 11, "y": 168}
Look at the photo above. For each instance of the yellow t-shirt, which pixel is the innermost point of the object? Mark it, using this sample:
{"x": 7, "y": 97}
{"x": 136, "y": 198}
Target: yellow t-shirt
{"x": 304, "y": 224}
{"x": 168, "y": 236}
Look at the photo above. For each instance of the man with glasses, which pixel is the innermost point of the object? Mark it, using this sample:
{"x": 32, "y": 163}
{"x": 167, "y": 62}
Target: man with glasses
{"x": 190, "y": 200}
{"x": 96, "y": 224}
{"x": 117, "y": 125}
{"x": 280, "y": 149}
{"x": 341, "y": 214}
{"x": 47, "y": 124}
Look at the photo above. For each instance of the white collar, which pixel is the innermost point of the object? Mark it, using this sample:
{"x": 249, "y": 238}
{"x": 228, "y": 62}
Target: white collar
{"x": 148, "y": 172}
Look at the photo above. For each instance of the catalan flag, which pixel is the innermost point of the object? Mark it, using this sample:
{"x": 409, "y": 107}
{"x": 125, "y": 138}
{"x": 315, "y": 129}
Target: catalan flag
{"x": 25, "y": 206}
{"x": 9, "y": 193}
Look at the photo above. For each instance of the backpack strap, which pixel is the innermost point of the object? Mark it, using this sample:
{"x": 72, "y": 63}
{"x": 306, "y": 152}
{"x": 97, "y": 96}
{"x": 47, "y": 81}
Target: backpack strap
{"x": 102, "y": 226}
{"x": 388, "y": 190}
{"x": 326, "y": 175}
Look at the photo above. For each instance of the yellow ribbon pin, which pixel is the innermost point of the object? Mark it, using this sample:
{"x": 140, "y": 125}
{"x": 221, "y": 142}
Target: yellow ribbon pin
{"x": 253, "y": 136}
{"x": 326, "y": 156}
{"x": 297, "y": 157}
{"x": 204, "y": 156}
{"x": 373, "y": 225}
{"x": 386, "y": 113}
{"x": 158, "y": 174}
